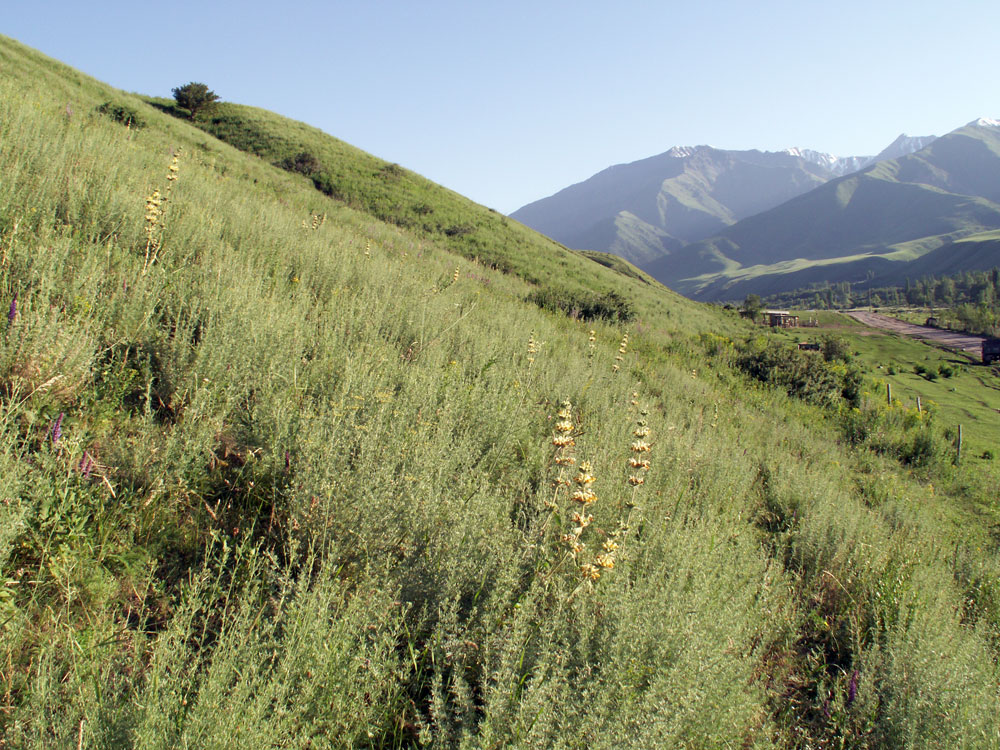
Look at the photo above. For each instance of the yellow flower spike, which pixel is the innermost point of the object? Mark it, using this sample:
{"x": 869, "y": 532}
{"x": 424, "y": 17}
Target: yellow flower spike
{"x": 533, "y": 350}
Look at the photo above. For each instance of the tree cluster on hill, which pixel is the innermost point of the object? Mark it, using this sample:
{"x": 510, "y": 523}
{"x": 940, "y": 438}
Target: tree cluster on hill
{"x": 194, "y": 97}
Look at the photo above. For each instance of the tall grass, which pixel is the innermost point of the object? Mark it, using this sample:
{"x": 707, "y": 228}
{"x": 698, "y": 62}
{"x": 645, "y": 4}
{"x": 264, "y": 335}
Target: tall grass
{"x": 302, "y": 494}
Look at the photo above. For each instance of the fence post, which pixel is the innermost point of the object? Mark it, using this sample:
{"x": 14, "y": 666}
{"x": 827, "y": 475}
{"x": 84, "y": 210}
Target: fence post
{"x": 958, "y": 447}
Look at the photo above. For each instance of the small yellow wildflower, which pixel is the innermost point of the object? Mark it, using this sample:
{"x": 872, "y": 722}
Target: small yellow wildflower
{"x": 605, "y": 561}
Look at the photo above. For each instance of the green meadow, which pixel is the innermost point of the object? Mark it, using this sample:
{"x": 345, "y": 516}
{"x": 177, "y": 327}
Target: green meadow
{"x": 341, "y": 459}
{"x": 954, "y": 386}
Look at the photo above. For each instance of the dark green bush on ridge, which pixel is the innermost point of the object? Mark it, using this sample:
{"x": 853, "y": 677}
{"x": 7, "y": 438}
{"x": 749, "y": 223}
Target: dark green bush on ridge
{"x": 122, "y": 113}
{"x": 302, "y": 163}
{"x": 609, "y": 306}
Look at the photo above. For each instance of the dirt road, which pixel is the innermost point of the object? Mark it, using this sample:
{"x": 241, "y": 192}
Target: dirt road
{"x": 960, "y": 342}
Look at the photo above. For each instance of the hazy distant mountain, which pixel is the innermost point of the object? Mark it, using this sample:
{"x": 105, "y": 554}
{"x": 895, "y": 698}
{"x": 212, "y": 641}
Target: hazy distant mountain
{"x": 902, "y": 146}
{"x": 872, "y": 222}
{"x": 652, "y": 207}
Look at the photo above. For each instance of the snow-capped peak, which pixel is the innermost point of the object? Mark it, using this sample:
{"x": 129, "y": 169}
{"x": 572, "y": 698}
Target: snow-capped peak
{"x": 836, "y": 164}
{"x": 986, "y": 122}
{"x": 816, "y": 157}
{"x": 682, "y": 152}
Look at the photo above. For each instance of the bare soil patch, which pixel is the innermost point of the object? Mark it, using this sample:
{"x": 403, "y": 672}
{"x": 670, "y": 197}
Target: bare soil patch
{"x": 959, "y": 342}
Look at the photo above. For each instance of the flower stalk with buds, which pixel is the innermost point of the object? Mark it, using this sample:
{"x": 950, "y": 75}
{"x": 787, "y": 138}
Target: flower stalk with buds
{"x": 620, "y": 357}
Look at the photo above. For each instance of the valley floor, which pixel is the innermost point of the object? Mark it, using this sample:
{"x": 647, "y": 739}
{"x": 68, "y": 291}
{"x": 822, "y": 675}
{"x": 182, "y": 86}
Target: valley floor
{"x": 961, "y": 342}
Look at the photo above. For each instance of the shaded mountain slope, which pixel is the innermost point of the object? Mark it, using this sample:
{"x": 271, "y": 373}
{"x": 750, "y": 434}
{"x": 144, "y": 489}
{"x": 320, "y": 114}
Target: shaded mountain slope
{"x": 891, "y": 212}
{"x": 647, "y": 208}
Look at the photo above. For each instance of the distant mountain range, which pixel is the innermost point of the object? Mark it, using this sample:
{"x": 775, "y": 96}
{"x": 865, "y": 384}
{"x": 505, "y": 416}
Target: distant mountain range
{"x": 716, "y": 224}
{"x": 643, "y": 210}
{"x": 885, "y": 223}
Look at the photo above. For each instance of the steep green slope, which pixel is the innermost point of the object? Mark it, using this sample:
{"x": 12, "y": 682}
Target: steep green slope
{"x": 875, "y": 221}
{"x": 278, "y": 473}
{"x": 427, "y": 211}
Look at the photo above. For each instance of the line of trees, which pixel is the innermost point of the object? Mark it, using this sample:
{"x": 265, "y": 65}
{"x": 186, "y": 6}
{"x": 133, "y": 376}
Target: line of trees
{"x": 969, "y": 301}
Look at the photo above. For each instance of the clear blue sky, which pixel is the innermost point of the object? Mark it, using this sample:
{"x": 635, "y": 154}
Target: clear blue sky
{"x": 508, "y": 102}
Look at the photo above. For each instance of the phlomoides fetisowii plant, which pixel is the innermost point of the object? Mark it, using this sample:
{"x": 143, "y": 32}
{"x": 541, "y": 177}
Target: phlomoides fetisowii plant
{"x": 156, "y": 214}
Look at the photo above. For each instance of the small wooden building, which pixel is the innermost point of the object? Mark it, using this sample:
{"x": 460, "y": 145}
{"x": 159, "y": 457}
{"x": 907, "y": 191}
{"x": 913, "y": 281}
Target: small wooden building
{"x": 991, "y": 351}
{"x": 781, "y": 319}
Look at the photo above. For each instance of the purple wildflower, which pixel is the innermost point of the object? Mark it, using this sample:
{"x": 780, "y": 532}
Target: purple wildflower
{"x": 852, "y": 688}
{"x": 56, "y": 431}
{"x": 86, "y": 465}
{"x": 12, "y": 313}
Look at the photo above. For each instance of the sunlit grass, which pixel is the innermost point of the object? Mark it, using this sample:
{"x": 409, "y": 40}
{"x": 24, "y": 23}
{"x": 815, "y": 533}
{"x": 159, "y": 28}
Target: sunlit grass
{"x": 325, "y": 479}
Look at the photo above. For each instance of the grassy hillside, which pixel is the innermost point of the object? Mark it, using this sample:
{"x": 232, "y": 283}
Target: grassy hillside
{"x": 877, "y": 221}
{"x": 281, "y": 468}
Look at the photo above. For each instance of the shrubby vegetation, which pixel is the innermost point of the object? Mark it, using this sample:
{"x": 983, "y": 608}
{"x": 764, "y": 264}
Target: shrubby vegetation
{"x": 610, "y": 306}
{"x": 123, "y": 113}
{"x": 303, "y": 478}
{"x": 825, "y": 379}
{"x": 303, "y": 163}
